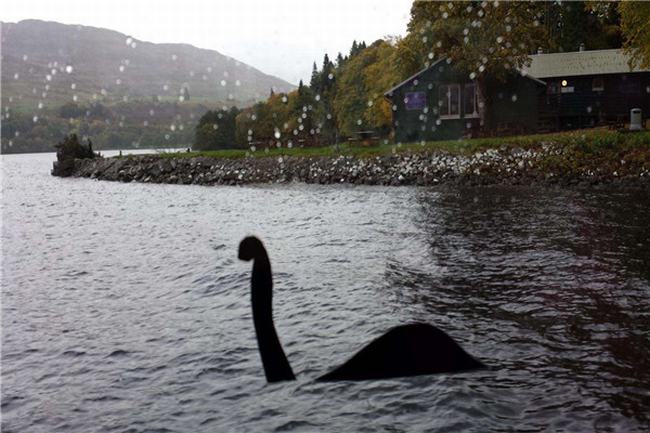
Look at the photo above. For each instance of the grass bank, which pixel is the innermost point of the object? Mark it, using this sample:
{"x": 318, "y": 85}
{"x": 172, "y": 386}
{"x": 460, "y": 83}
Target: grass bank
{"x": 590, "y": 143}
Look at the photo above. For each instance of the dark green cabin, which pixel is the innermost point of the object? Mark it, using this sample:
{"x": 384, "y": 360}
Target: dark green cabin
{"x": 440, "y": 103}
{"x": 580, "y": 89}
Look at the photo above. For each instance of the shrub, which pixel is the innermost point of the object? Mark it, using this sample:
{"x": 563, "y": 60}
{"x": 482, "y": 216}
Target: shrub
{"x": 70, "y": 148}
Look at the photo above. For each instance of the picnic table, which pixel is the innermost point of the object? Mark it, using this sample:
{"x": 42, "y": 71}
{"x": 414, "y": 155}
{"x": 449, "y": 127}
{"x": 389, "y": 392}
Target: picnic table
{"x": 365, "y": 138}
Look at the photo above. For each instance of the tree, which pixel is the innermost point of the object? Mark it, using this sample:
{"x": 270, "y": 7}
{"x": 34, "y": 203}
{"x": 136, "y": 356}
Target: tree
{"x": 635, "y": 26}
{"x": 216, "y": 130}
{"x": 71, "y": 110}
{"x": 572, "y": 24}
{"x": 361, "y": 83}
{"x": 482, "y": 40}
{"x": 71, "y": 148}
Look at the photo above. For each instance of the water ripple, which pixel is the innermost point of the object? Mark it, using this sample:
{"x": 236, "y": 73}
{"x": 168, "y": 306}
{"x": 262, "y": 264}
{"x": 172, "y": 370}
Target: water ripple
{"x": 127, "y": 302}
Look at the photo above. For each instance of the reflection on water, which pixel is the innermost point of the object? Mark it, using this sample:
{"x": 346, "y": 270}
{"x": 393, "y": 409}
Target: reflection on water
{"x": 552, "y": 284}
{"x": 124, "y": 307}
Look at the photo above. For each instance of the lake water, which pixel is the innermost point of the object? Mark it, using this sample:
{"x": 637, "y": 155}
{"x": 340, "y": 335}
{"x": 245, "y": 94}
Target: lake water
{"x": 125, "y": 309}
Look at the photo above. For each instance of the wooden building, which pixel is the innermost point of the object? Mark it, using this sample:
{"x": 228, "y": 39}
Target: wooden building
{"x": 557, "y": 91}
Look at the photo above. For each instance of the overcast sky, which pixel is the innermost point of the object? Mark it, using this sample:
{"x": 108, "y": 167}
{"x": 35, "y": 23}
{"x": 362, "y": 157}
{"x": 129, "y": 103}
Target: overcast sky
{"x": 280, "y": 37}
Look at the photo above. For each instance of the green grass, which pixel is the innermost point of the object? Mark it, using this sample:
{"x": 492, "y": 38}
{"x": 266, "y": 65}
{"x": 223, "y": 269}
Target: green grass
{"x": 586, "y": 141}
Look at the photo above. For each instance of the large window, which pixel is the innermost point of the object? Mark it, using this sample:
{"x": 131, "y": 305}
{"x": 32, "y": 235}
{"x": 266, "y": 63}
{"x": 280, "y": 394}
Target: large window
{"x": 449, "y": 97}
{"x": 470, "y": 98}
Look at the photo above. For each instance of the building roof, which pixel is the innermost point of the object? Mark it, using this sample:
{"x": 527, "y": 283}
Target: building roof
{"x": 389, "y": 92}
{"x": 579, "y": 63}
{"x": 411, "y": 78}
{"x": 568, "y": 64}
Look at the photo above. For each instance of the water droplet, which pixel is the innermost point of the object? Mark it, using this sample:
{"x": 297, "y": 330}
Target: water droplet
{"x": 253, "y": 148}
{"x": 118, "y": 81}
{"x": 223, "y": 82}
{"x": 25, "y": 57}
{"x": 128, "y": 41}
{"x": 330, "y": 76}
{"x": 317, "y": 97}
{"x": 172, "y": 127}
{"x": 121, "y": 68}
{"x": 165, "y": 87}
{"x": 35, "y": 119}
{"x": 73, "y": 86}
{"x": 359, "y": 122}
{"x": 277, "y": 134}
{"x": 133, "y": 44}
{"x": 284, "y": 99}
{"x": 237, "y": 83}
{"x": 472, "y": 75}
{"x": 74, "y": 98}
{"x": 68, "y": 69}
{"x": 48, "y": 77}
{"x": 514, "y": 98}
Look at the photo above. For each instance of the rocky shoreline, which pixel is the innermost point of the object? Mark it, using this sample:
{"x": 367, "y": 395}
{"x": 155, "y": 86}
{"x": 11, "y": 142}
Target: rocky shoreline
{"x": 548, "y": 164}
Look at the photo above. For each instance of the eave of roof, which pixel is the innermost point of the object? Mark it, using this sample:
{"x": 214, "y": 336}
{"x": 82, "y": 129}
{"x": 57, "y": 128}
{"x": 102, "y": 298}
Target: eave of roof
{"x": 389, "y": 92}
{"x": 412, "y": 77}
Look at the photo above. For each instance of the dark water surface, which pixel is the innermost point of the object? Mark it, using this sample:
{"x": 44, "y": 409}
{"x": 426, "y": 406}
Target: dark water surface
{"x": 124, "y": 307}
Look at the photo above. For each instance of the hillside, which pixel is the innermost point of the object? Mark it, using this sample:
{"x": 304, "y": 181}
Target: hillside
{"x": 53, "y": 63}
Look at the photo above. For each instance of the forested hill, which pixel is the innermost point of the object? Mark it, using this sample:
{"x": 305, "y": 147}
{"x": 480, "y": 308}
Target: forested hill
{"x": 52, "y": 63}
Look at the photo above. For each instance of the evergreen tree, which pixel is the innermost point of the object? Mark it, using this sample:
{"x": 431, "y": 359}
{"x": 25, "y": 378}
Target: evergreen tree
{"x": 315, "y": 79}
{"x": 339, "y": 60}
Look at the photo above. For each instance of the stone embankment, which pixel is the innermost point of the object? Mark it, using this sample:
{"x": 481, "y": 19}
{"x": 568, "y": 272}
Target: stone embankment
{"x": 548, "y": 163}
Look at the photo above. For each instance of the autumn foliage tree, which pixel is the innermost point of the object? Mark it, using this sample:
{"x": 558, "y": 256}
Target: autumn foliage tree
{"x": 635, "y": 26}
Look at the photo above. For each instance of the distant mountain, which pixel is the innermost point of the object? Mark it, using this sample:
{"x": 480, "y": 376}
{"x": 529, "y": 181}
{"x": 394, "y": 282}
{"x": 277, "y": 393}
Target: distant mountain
{"x": 52, "y": 63}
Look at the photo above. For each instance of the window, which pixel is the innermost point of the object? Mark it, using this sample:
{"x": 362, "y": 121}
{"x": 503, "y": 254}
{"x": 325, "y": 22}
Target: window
{"x": 470, "y": 97}
{"x": 449, "y": 100}
{"x": 598, "y": 84}
{"x": 415, "y": 100}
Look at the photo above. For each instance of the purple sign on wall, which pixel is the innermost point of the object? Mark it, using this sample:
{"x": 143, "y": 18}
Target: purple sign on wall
{"x": 415, "y": 100}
